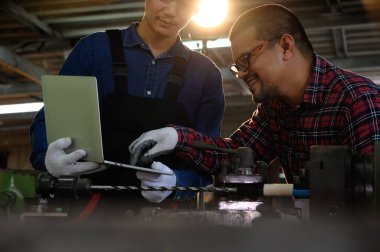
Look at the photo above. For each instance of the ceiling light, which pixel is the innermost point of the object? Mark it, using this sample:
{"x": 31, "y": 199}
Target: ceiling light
{"x": 21, "y": 108}
{"x": 211, "y": 13}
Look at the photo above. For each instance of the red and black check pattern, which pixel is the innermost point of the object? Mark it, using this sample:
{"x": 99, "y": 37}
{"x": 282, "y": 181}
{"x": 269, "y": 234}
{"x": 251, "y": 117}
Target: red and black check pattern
{"x": 338, "y": 108}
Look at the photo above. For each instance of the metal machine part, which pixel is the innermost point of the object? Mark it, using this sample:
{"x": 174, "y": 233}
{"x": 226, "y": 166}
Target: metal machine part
{"x": 343, "y": 185}
{"x": 228, "y": 213}
{"x": 75, "y": 187}
{"x": 167, "y": 217}
{"x": 239, "y": 206}
{"x": 242, "y": 173}
{"x": 248, "y": 177}
{"x": 242, "y": 164}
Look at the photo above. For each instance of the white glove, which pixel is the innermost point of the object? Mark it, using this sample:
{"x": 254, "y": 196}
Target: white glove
{"x": 158, "y": 142}
{"x": 59, "y": 163}
{"x": 152, "y": 179}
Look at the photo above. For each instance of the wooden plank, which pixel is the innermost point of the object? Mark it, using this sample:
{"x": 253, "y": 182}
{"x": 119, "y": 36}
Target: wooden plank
{"x": 16, "y": 96}
{"x": 27, "y": 18}
{"x": 12, "y": 69}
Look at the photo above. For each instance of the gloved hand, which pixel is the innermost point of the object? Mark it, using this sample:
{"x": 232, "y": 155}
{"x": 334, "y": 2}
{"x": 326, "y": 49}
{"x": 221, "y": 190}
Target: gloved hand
{"x": 59, "y": 163}
{"x": 152, "y": 179}
{"x": 155, "y": 142}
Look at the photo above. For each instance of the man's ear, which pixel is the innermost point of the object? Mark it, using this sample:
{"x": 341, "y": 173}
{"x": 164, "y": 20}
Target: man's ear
{"x": 288, "y": 45}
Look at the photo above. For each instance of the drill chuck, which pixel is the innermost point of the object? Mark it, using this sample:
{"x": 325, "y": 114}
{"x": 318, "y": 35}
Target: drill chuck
{"x": 63, "y": 186}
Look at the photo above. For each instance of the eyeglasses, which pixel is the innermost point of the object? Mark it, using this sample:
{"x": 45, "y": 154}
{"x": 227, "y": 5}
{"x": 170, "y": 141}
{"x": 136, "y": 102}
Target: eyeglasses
{"x": 184, "y": 4}
{"x": 243, "y": 62}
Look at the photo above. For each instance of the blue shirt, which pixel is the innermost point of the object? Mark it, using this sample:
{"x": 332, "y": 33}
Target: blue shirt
{"x": 201, "y": 93}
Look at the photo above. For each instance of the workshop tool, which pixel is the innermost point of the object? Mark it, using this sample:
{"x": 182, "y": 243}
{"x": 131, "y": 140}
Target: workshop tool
{"x": 344, "y": 185}
{"x": 243, "y": 162}
{"x": 75, "y": 187}
{"x": 341, "y": 184}
{"x": 243, "y": 173}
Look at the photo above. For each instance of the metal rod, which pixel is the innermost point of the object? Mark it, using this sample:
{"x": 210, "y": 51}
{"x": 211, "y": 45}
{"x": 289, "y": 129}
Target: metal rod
{"x": 161, "y": 188}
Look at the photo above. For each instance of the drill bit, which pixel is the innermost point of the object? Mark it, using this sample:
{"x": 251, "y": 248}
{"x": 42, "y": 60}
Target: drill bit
{"x": 161, "y": 188}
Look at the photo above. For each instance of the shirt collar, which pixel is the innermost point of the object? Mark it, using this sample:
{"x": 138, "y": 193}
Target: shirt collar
{"x": 132, "y": 38}
{"x": 314, "y": 93}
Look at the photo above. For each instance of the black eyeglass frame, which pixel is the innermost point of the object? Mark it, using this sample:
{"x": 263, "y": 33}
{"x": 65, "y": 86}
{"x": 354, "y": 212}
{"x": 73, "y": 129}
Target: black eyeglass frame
{"x": 245, "y": 58}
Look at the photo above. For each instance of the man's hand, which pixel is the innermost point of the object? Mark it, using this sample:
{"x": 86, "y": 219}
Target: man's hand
{"x": 154, "y": 142}
{"x": 59, "y": 163}
{"x": 150, "y": 179}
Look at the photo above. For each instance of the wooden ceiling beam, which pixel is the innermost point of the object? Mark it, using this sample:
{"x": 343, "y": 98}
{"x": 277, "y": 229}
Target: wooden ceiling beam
{"x": 6, "y": 67}
{"x": 27, "y": 18}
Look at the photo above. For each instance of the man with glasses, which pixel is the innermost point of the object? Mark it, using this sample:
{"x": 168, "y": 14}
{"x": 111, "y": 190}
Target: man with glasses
{"x": 146, "y": 79}
{"x": 302, "y": 100}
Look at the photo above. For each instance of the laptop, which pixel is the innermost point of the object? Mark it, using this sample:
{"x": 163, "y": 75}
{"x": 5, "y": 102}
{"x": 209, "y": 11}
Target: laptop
{"x": 72, "y": 110}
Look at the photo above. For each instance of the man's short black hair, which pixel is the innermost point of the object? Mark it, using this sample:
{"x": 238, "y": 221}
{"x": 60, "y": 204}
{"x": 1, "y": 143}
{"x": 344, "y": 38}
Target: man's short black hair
{"x": 271, "y": 21}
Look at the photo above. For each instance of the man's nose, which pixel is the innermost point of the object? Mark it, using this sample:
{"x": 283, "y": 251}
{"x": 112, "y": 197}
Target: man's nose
{"x": 171, "y": 8}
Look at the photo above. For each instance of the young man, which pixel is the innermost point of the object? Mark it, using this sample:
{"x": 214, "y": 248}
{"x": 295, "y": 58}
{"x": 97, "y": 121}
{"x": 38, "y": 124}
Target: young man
{"x": 161, "y": 82}
{"x": 303, "y": 99}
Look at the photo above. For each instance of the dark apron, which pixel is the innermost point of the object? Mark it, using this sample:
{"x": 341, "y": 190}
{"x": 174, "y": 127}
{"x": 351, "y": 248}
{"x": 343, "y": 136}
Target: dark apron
{"x": 124, "y": 118}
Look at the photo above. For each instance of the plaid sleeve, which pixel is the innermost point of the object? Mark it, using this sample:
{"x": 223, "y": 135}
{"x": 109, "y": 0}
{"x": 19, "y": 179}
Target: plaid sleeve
{"x": 206, "y": 160}
{"x": 254, "y": 133}
{"x": 259, "y": 133}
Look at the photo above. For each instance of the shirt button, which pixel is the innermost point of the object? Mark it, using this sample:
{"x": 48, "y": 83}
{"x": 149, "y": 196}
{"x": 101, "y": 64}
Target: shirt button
{"x": 153, "y": 62}
{"x": 148, "y": 92}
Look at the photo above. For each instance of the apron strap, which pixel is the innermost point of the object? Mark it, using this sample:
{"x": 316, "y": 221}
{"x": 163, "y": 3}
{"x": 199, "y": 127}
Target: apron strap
{"x": 175, "y": 79}
{"x": 120, "y": 68}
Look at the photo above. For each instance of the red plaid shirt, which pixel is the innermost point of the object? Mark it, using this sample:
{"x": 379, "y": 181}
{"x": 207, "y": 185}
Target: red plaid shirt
{"x": 338, "y": 108}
